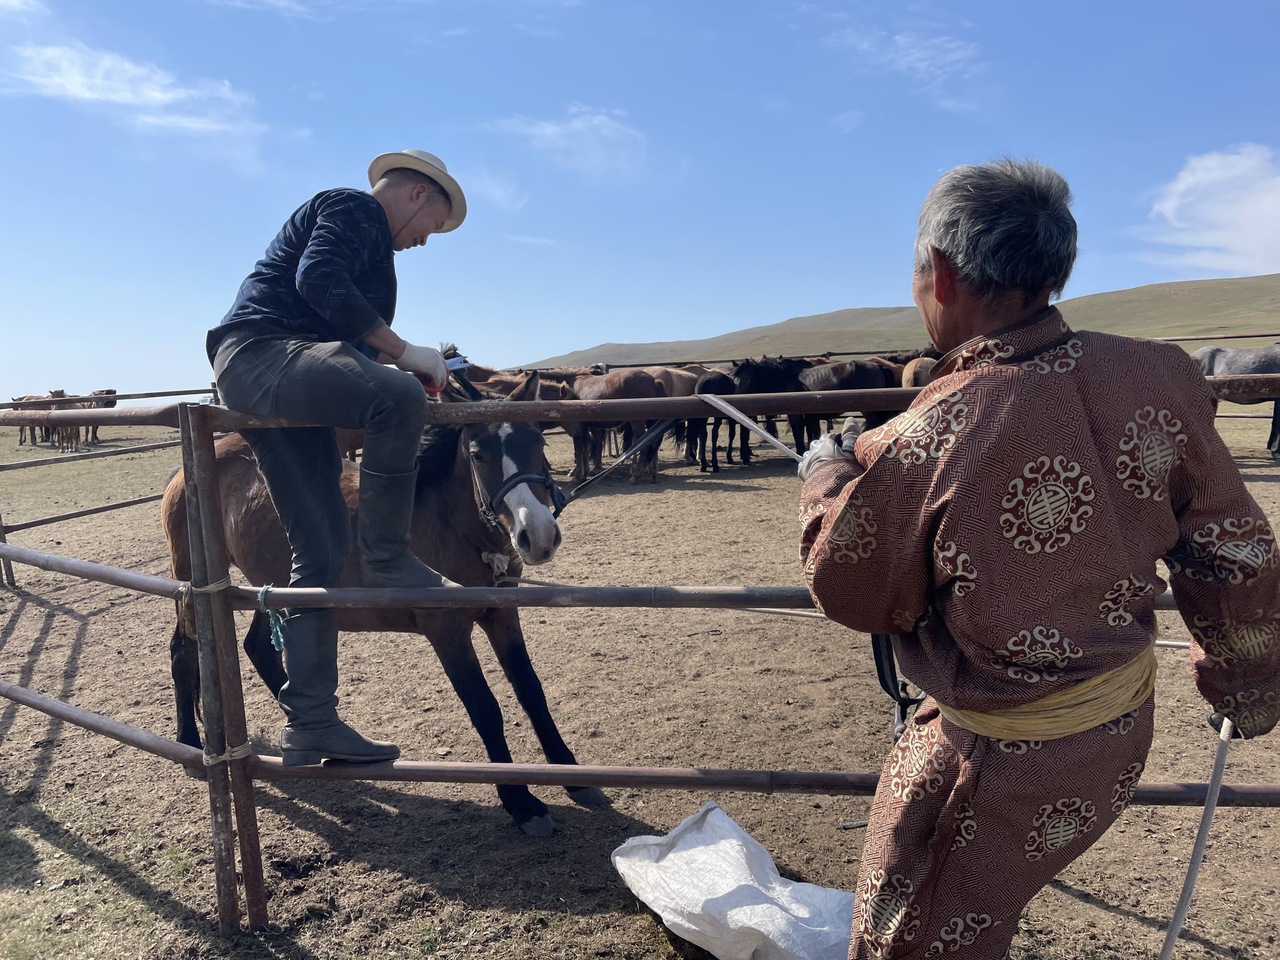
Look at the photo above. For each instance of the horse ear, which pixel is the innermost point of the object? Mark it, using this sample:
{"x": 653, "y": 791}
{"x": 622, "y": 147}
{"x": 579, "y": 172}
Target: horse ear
{"x": 528, "y": 390}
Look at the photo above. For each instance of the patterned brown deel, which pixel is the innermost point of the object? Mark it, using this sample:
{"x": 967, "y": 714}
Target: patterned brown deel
{"x": 1007, "y": 529}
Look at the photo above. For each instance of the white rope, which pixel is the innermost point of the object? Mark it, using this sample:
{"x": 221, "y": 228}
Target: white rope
{"x": 498, "y": 563}
{"x": 731, "y": 411}
{"x": 235, "y": 753}
{"x": 1202, "y": 838}
{"x": 187, "y": 588}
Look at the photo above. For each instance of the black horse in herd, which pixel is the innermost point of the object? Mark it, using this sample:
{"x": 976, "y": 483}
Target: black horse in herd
{"x": 1246, "y": 362}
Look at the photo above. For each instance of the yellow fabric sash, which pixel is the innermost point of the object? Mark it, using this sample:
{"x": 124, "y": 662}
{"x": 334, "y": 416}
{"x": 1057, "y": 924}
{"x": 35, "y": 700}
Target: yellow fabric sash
{"x": 1073, "y": 710}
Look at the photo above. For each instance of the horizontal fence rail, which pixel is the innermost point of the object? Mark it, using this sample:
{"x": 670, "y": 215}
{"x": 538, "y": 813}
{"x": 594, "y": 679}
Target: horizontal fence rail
{"x": 76, "y": 514}
{"x": 94, "y": 455}
{"x": 161, "y": 416}
{"x": 1234, "y": 389}
{"x": 276, "y": 598}
{"x": 89, "y": 398}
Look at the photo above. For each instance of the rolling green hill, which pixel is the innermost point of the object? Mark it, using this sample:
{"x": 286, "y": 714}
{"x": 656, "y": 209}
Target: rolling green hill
{"x": 1168, "y": 310}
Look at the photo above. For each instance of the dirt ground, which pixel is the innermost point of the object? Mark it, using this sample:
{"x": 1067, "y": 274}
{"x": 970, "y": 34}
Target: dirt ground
{"x": 105, "y": 851}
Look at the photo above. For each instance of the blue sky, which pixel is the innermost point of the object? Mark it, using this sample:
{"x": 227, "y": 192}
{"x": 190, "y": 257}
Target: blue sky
{"x": 636, "y": 170}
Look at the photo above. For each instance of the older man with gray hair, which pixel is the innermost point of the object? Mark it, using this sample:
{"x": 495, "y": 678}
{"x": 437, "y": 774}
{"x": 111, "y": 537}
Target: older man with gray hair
{"x": 1006, "y": 530}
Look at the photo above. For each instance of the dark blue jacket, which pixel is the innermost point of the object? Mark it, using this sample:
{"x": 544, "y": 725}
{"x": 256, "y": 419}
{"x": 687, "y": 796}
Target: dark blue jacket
{"x": 328, "y": 275}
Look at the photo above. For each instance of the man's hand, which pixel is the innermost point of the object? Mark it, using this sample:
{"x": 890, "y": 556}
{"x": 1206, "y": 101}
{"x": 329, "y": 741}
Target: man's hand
{"x": 426, "y": 361}
{"x": 827, "y": 447}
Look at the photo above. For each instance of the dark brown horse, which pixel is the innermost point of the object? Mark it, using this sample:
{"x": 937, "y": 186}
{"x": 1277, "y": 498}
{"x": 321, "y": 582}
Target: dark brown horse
{"x": 717, "y": 384}
{"x": 774, "y": 375}
{"x": 627, "y": 384}
{"x": 471, "y": 522}
{"x": 870, "y": 374}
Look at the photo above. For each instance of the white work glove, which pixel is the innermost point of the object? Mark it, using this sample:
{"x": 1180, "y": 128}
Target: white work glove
{"x": 826, "y": 447}
{"x": 426, "y": 361}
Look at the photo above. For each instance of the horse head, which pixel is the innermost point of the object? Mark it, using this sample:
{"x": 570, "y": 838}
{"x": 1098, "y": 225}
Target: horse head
{"x": 512, "y": 481}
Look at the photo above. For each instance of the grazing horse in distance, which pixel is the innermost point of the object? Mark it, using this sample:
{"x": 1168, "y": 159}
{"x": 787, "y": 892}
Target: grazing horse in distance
{"x": 1246, "y": 362}
{"x": 482, "y": 511}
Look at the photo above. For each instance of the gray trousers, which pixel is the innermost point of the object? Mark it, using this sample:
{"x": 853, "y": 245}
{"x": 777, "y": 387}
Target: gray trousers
{"x": 331, "y": 384}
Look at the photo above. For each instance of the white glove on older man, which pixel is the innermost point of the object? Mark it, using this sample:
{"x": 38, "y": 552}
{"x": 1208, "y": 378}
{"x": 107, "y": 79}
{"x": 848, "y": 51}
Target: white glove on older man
{"x": 424, "y": 360}
{"x": 830, "y": 446}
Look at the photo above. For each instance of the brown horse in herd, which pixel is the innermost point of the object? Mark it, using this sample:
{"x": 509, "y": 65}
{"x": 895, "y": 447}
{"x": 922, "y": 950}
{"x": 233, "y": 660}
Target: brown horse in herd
{"x": 483, "y": 510}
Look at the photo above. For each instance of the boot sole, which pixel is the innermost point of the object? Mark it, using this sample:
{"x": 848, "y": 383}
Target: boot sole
{"x": 311, "y": 758}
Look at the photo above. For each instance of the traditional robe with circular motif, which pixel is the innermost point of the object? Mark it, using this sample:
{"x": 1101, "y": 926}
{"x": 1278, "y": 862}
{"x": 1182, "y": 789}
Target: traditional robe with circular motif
{"x": 1007, "y": 528}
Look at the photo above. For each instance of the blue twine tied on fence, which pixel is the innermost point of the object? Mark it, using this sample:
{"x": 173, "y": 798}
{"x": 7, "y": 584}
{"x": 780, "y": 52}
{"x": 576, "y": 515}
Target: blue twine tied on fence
{"x": 273, "y": 617}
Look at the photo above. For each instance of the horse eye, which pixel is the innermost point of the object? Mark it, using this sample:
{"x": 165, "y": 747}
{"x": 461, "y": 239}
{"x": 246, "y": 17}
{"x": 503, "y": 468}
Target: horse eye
{"x": 477, "y": 454}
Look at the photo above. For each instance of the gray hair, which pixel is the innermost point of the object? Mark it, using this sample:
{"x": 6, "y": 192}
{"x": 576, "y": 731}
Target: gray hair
{"x": 1004, "y": 226}
{"x": 399, "y": 176}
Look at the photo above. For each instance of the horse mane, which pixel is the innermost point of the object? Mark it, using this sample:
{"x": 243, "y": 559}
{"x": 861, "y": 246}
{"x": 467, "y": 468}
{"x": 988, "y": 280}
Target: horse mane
{"x": 437, "y": 453}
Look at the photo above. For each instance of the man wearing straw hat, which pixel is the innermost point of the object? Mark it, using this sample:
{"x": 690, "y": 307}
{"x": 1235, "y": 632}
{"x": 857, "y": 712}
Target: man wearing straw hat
{"x": 309, "y": 338}
{"x": 1006, "y": 529}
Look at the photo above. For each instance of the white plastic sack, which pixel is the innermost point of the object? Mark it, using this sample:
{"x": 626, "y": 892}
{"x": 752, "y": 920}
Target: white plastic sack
{"x": 717, "y": 887}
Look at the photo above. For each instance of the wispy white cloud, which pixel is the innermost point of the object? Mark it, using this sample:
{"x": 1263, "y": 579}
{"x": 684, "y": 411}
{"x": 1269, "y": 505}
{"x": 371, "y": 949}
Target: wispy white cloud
{"x": 939, "y": 65}
{"x": 496, "y": 189}
{"x": 587, "y": 139}
{"x": 532, "y": 241}
{"x": 288, "y": 8}
{"x": 142, "y": 96}
{"x": 23, "y": 6}
{"x": 1220, "y": 214}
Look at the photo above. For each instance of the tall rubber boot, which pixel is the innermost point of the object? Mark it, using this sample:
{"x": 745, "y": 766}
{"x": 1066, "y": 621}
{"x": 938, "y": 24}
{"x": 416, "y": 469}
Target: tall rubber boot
{"x": 314, "y": 732}
{"x": 382, "y": 532}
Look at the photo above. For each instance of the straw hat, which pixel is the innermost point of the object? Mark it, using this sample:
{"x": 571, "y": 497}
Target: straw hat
{"x": 433, "y": 167}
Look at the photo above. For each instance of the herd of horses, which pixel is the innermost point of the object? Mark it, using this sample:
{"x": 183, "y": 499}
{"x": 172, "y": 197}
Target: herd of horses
{"x": 485, "y": 508}
{"x": 700, "y": 442}
{"x": 68, "y": 439}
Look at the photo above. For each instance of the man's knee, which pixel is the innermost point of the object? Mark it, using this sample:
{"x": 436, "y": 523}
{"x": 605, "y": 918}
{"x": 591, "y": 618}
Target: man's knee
{"x": 404, "y": 403}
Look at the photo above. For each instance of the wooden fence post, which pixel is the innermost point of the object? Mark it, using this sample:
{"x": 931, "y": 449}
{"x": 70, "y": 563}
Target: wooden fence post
{"x": 5, "y": 566}
{"x": 215, "y": 741}
{"x": 227, "y": 660}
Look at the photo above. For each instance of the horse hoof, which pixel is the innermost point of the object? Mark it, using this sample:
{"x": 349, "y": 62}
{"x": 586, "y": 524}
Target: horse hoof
{"x": 590, "y": 797}
{"x": 540, "y": 826}
{"x": 195, "y": 773}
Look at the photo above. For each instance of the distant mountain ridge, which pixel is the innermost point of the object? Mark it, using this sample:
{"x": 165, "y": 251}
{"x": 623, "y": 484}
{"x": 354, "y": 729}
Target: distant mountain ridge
{"x": 1240, "y": 306}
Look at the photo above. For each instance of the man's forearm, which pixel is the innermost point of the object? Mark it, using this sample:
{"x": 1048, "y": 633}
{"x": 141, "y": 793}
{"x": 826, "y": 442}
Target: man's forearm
{"x": 389, "y": 344}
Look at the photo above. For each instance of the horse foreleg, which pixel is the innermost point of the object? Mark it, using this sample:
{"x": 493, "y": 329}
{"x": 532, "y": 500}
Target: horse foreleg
{"x": 1273, "y": 442}
{"x": 184, "y": 666}
{"x": 798, "y": 426}
{"x": 502, "y": 627}
{"x": 264, "y": 657}
{"x": 451, "y": 641}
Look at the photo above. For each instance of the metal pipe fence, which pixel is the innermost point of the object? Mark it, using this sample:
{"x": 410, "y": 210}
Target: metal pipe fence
{"x": 228, "y": 757}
